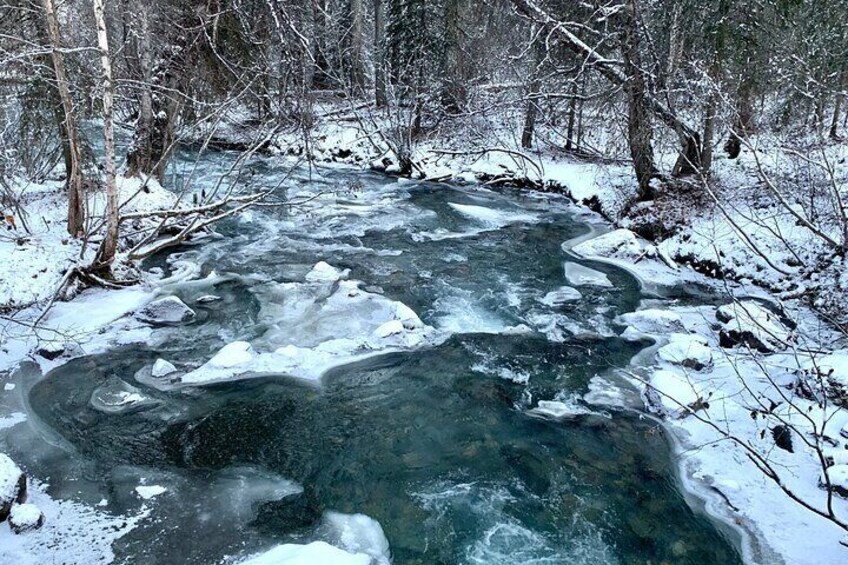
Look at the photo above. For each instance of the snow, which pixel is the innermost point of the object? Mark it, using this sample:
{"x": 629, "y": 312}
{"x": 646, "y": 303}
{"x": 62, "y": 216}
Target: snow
{"x": 751, "y": 323}
{"x": 151, "y": 491}
{"x": 72, "y": 533}
{"x": 652, "y": 321}
{"x": 578, "y": 275}
{"x": 670, "y": 393}
{"x": 323, "y": 272}
{"x": 313, "y": 328}
{"x": 687, "y": 350}
{"x": 162, "y": 368}
{"x": 315, "y": 553}
{"x": 729, "y": 383}
{"x": 9, "y": 476}
{"x": 619, "y": 244}
{"x": 25, "y": 517}
{"x": 169, "y": 310}
{"x": 232, "y": 355}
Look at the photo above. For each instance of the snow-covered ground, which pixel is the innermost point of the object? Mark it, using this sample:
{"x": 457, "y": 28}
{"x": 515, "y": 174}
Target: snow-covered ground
{"x": 749, "y": 438}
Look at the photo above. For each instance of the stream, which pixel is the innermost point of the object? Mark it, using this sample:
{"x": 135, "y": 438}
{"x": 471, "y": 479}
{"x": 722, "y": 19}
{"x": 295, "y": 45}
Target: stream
{"x": 439, "y": 443}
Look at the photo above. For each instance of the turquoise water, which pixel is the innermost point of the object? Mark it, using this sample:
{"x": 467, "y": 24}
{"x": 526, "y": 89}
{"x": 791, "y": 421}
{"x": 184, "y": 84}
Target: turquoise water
{"x": 438, "y": 445}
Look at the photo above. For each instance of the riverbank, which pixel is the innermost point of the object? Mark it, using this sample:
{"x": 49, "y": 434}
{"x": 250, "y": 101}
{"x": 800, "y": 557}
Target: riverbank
{"x": 654, "y": 264}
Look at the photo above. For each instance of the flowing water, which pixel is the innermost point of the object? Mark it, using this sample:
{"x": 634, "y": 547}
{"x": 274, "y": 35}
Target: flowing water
{"x": 439, "y": 444}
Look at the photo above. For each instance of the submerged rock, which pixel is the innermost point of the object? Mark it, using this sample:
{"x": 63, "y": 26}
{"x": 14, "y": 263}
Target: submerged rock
{"x": 167, "y": 311}
{"x": 13, "y": 486}
{"x": 116, "y": 396}
{"x": 25, "y": 518}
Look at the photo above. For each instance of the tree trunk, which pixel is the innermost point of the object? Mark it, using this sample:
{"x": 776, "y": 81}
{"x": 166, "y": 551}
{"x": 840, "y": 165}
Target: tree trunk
{"x": 160, "y": 102}
{"x": 454, "y": 93}
{"x": 572, "y": 116}
{"x": 532, "y": 110}
{"x": 837, "y": 106}
{"x": 75, "y": 180}
{"x": 639, "y": 129}
{"x": 379, "y": 56}
{"x": 110, "y": 243}
{"x": 354, "y": 57}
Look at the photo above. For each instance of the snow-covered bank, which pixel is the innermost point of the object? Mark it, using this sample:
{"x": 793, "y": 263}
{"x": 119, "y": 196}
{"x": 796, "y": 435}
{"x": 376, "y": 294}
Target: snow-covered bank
{"x": 742, "y": 408}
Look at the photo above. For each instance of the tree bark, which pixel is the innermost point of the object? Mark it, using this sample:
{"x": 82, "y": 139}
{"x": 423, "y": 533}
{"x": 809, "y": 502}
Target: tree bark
{"x": 454, "y": 93}
{"x": 639, "y": 129}
{"x": 532, "y": 109}
{"x": 75, "y": 180}
{"x": 837, "y": 106}
{"x": 110, "y": 243}
{"x": 379, "y": 55}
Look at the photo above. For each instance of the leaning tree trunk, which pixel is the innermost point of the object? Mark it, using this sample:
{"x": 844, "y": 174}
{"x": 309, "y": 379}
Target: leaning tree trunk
{"x": 639, "y": 129}
{"x": 75, "y": 179}
{"x": 109, "y": 247}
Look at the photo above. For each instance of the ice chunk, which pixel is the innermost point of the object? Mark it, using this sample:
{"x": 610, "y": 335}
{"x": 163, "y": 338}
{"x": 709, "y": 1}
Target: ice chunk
{"x": 491, "y": 217}
{"x": 560, "y": 296}
{"x": 232, "y": 354}
{"x": 578, "y": 275}
{"x": 148, "y": 492}
{"x": 314, "y": 553}
{"x": 116, "y": 396}
{"x": 618, "y": 244}
{"x": 562, "y": 408}
{"x": 357, "y": 534}
{"x": 324, "y": 272}
{"x": 162, "y": 368}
